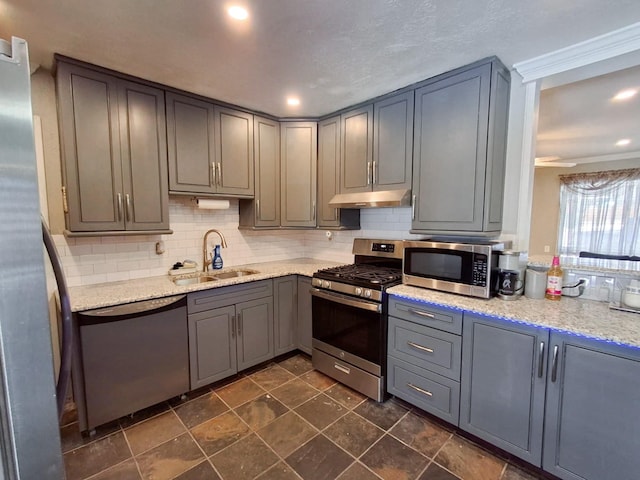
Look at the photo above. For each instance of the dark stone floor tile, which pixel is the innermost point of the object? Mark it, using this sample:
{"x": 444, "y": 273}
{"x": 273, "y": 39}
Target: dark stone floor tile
{"x": 318, "y": 380}
{"x": 391, "y": 459}
{"x": 151, "y": 433}
{"x": 514, "y": 473}
{"x": 469, "y": 461}
{"x": 127, "y": 470}
{"x": 354, "y": 433}
{"x": 96, "y": 456}
{"x": 170, "y": 459}
{"x": 144, "y": 414}
{"x": 287, "y": 433}
{"x": 280, "y": 471}
{"x": 319, "y": 459}
{"x": 220, "y": 432}
{"x": 245, "y": 459}
{"x": 436, "y": 472}
{"x": 261, "y": 411}
{"x": 71, "y": 437}
{"x": 384, "y": 415}
{"x": 240, "y": 392}
{"x": 321, "y": 411}
{"x": 418, "y": 432}
{"x": 202, "y": 471}
{"x": 357, "y": 471}
{"x": 297, "y": 365}
{"x": 343, "y": 394}
{"x": 187, "y": 397}
{"x": 294, "y": 393}
{"x": 272, "y": 377}
{"x": 201, "y": 409}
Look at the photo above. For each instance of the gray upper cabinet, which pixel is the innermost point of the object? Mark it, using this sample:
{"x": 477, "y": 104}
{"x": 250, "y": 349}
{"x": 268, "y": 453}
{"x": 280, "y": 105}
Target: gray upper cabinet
{"x": 503, "y": 384}
{"x": 357, "y": 150}
{"x": 329, "y": 166}
{"x": 210, "y": 148}
{"x": 113, "y": 136}
{"x": 190, "y": 134}
{"x": 592, "y": 424}
{"x": 298, "y": 160}
{"x": 459, "y": 151}
{"x": 393, "y": 142}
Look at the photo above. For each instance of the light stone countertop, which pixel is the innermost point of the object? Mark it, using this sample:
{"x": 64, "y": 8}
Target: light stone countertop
{"x": 100, "y": 295}
{"x": 583, "y": 317}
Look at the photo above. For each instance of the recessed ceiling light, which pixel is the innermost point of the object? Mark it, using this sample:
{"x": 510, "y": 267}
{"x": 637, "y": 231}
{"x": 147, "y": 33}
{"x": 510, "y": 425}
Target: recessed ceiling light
{"x": 625, "y": 94}
{"x": 237, "y": 12}
{"x": 293, "y": 101}
{"x": 623, "y": 142}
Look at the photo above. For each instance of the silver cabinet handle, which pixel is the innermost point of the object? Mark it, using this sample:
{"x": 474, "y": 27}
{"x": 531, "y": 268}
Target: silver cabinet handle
{"x": 258, "y": 209}
{"x": 422, "y": 314}
{"x": 420, "y": 347}
{"x": 127, "y": 200}
{"x": 341, "y": 368}
{"x": 554, "y": 364}
{"x": 313, "y": 212}
{"x": 540, "y": 359}
{"x": 233, "y": 326}
{"x": 219, "y": 174}
{"x": 421, "y": 390}
{"x": 373, "y": 172}
{"x": 368, "y": 173}
{"x": 119, "y": 201}
{"x": 239, "y": 324}
{"x": 413, "y": 207}
{"x": 213, "y": 174}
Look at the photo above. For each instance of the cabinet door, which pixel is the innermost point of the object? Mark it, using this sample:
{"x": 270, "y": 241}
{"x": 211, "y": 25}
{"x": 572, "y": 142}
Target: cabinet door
{"x": 503, "y": 384}
{"x": 298, "y": 160}
{"x": 234, "y": 152}
{"x": 254, "y": 332}
{"x": 304, "y": 314}
{"x": 267, "y": 172}
{"x": 393, "y": 142}
{"x": 190, "y": 133}
{"x": 357, "y": 150}
{"x": 450, "y": 152}
{"x": 328, "y": 170}
{"x": 285, "y": 312}
{"x": 143, "y": 146}
{"x": 592, "y": 425}
{"x": 92, "y": 167}
{"x": 212, "y": 345}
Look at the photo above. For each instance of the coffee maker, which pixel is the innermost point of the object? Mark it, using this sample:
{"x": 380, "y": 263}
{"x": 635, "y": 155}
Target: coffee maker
{"x": 510, "y": 278}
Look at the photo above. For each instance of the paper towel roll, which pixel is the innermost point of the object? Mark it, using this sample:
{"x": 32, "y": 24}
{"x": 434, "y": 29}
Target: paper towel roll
{"x": 211, "y": 203}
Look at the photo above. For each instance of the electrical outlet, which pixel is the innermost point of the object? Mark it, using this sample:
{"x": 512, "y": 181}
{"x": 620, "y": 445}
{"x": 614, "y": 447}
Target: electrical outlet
{"x": 547, "y": 249}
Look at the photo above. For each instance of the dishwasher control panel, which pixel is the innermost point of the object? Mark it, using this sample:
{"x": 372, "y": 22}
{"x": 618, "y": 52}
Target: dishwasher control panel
{"x": 135, "y": 307}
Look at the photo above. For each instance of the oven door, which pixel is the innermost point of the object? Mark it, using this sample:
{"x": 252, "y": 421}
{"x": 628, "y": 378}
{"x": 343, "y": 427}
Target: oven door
{"x": 350, "y": 329}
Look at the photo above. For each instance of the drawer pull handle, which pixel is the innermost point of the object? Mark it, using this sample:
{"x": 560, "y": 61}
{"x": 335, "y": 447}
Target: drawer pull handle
{"x": 420, "y": 347}
{"x": 421, "y": 390}
{"x": 422, "y": 314}
{"x": 341, "y": 368}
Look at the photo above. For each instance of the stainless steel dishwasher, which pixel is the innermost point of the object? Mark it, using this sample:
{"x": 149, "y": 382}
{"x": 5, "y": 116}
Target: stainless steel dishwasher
{"x": 129, "y": 357}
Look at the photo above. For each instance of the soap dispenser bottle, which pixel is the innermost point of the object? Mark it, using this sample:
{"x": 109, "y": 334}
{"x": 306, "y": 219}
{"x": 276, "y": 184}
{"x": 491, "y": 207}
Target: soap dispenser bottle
{"x": 216, "y": 262}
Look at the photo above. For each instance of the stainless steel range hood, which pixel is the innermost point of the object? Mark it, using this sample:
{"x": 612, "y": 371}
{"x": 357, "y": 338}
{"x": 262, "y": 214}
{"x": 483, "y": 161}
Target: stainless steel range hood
{"x": 386, "y": 198}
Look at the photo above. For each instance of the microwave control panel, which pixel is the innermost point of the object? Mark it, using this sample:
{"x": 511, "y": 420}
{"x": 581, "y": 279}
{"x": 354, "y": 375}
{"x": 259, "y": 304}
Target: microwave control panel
{"x": 480, "y": 269}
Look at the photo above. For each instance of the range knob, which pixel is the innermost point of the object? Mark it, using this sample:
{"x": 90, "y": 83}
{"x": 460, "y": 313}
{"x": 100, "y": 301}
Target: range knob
{"x": 326, "y": 284}
{"x": 367, "y": 293}
{"x": 358, "y": 291}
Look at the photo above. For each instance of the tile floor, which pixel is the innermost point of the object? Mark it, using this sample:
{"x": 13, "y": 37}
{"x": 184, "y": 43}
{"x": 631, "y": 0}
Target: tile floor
{"x": 284, "y": 421}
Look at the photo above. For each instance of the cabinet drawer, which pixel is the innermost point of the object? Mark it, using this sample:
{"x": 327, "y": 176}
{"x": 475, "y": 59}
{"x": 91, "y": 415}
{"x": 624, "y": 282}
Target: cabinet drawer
{"x": 442, "y": 318}
{"x": 221, "y": 297}
{"x": 433, "y": 393}
{"x": 425, "y": 347}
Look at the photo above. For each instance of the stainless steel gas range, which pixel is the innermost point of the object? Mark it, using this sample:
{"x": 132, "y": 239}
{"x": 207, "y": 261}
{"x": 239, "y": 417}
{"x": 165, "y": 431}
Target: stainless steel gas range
{"x": 350, "y": 319}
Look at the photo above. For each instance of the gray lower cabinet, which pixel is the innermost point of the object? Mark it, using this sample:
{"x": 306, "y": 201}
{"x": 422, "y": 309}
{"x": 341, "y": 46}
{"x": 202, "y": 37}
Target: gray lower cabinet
{"x": 423, "y": 363}
{"x": 285, "y": 291}
{"x": 113, "y": 137}
{"x": 298, "y": 163}
{"x": 503, "y": 384}
{"x": 230, "y": 329}
{"x": 304, "y": 330}
{"x": 592, "y": 425}
{"x": 459, "y": 152}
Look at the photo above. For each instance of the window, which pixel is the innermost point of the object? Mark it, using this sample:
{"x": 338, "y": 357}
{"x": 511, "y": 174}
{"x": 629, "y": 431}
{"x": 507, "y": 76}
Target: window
{"x": 600, "y": 213}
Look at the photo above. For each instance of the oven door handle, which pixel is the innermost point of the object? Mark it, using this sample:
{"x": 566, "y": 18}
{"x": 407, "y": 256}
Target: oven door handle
{"x": 344, "y": 300}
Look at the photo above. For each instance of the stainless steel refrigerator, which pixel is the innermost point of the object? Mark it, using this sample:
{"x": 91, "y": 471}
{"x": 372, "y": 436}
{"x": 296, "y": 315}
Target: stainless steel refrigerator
{"x": 29, "y": 432}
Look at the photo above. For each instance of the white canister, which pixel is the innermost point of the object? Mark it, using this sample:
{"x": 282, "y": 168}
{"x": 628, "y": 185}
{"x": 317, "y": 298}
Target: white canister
{"x": 535, "y": 282}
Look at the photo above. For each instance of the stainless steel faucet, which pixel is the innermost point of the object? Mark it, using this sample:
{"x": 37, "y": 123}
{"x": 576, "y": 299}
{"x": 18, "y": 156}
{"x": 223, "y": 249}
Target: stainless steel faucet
{"x": 206, "y": 259}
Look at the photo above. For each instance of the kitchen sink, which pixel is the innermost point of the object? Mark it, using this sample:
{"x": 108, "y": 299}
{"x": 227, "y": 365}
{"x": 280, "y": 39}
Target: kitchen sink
{"x": 205, "y": 277}
{"x": 192, "y": 279}
{"x": 234, "y": 273}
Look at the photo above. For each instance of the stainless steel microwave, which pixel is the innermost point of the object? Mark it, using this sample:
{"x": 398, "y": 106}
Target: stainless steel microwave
{"x": 463, "y": 268}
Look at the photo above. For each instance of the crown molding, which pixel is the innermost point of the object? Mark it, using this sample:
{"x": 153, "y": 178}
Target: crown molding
{"x": 603, "y": 47}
